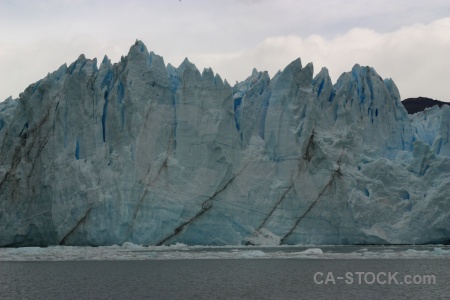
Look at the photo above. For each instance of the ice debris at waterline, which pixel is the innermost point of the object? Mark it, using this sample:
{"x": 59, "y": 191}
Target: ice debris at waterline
{"x": 151, "y": 154}
{"x": 129, "y": 251}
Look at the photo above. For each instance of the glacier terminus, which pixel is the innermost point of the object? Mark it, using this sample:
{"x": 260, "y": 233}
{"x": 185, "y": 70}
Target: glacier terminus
{"x": 147, "y": 153}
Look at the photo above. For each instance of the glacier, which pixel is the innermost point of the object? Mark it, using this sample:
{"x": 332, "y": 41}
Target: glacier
{"x": 151, "y": 154}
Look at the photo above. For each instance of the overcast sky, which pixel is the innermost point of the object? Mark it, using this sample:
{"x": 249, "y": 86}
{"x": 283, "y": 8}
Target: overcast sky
{"x": 406, "y": 40}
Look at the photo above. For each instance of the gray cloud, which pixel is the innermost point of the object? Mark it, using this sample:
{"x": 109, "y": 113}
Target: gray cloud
{"x": 415, "y": 56}
{"x": 231, "y": 36}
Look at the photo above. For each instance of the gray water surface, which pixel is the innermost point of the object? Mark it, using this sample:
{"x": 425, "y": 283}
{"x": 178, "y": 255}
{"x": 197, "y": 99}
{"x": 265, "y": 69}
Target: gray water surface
{"x": 217, "y": 279}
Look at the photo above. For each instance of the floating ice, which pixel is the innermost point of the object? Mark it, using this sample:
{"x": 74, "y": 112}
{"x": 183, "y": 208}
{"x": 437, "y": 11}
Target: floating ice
{"x": 66, "y": 253}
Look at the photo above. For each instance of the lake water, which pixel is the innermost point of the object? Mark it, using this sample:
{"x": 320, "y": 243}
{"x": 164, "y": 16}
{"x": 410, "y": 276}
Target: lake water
{"x": 225, "y": 273}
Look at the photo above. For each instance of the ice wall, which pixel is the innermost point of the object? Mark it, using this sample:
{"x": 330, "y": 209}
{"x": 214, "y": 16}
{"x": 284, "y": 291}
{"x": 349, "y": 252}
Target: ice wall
{"x": 151, "y": 154}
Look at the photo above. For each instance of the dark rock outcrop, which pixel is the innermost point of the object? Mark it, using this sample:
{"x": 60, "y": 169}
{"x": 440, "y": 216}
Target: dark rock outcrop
{"x": 414, "y": 105}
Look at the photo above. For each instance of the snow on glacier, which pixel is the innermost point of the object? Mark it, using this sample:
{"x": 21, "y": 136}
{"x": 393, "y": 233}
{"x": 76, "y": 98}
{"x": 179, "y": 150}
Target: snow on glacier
{"x": 144, "y": 153}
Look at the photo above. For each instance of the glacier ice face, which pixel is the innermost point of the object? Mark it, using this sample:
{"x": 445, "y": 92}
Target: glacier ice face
{"x": 151, "y": 154}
